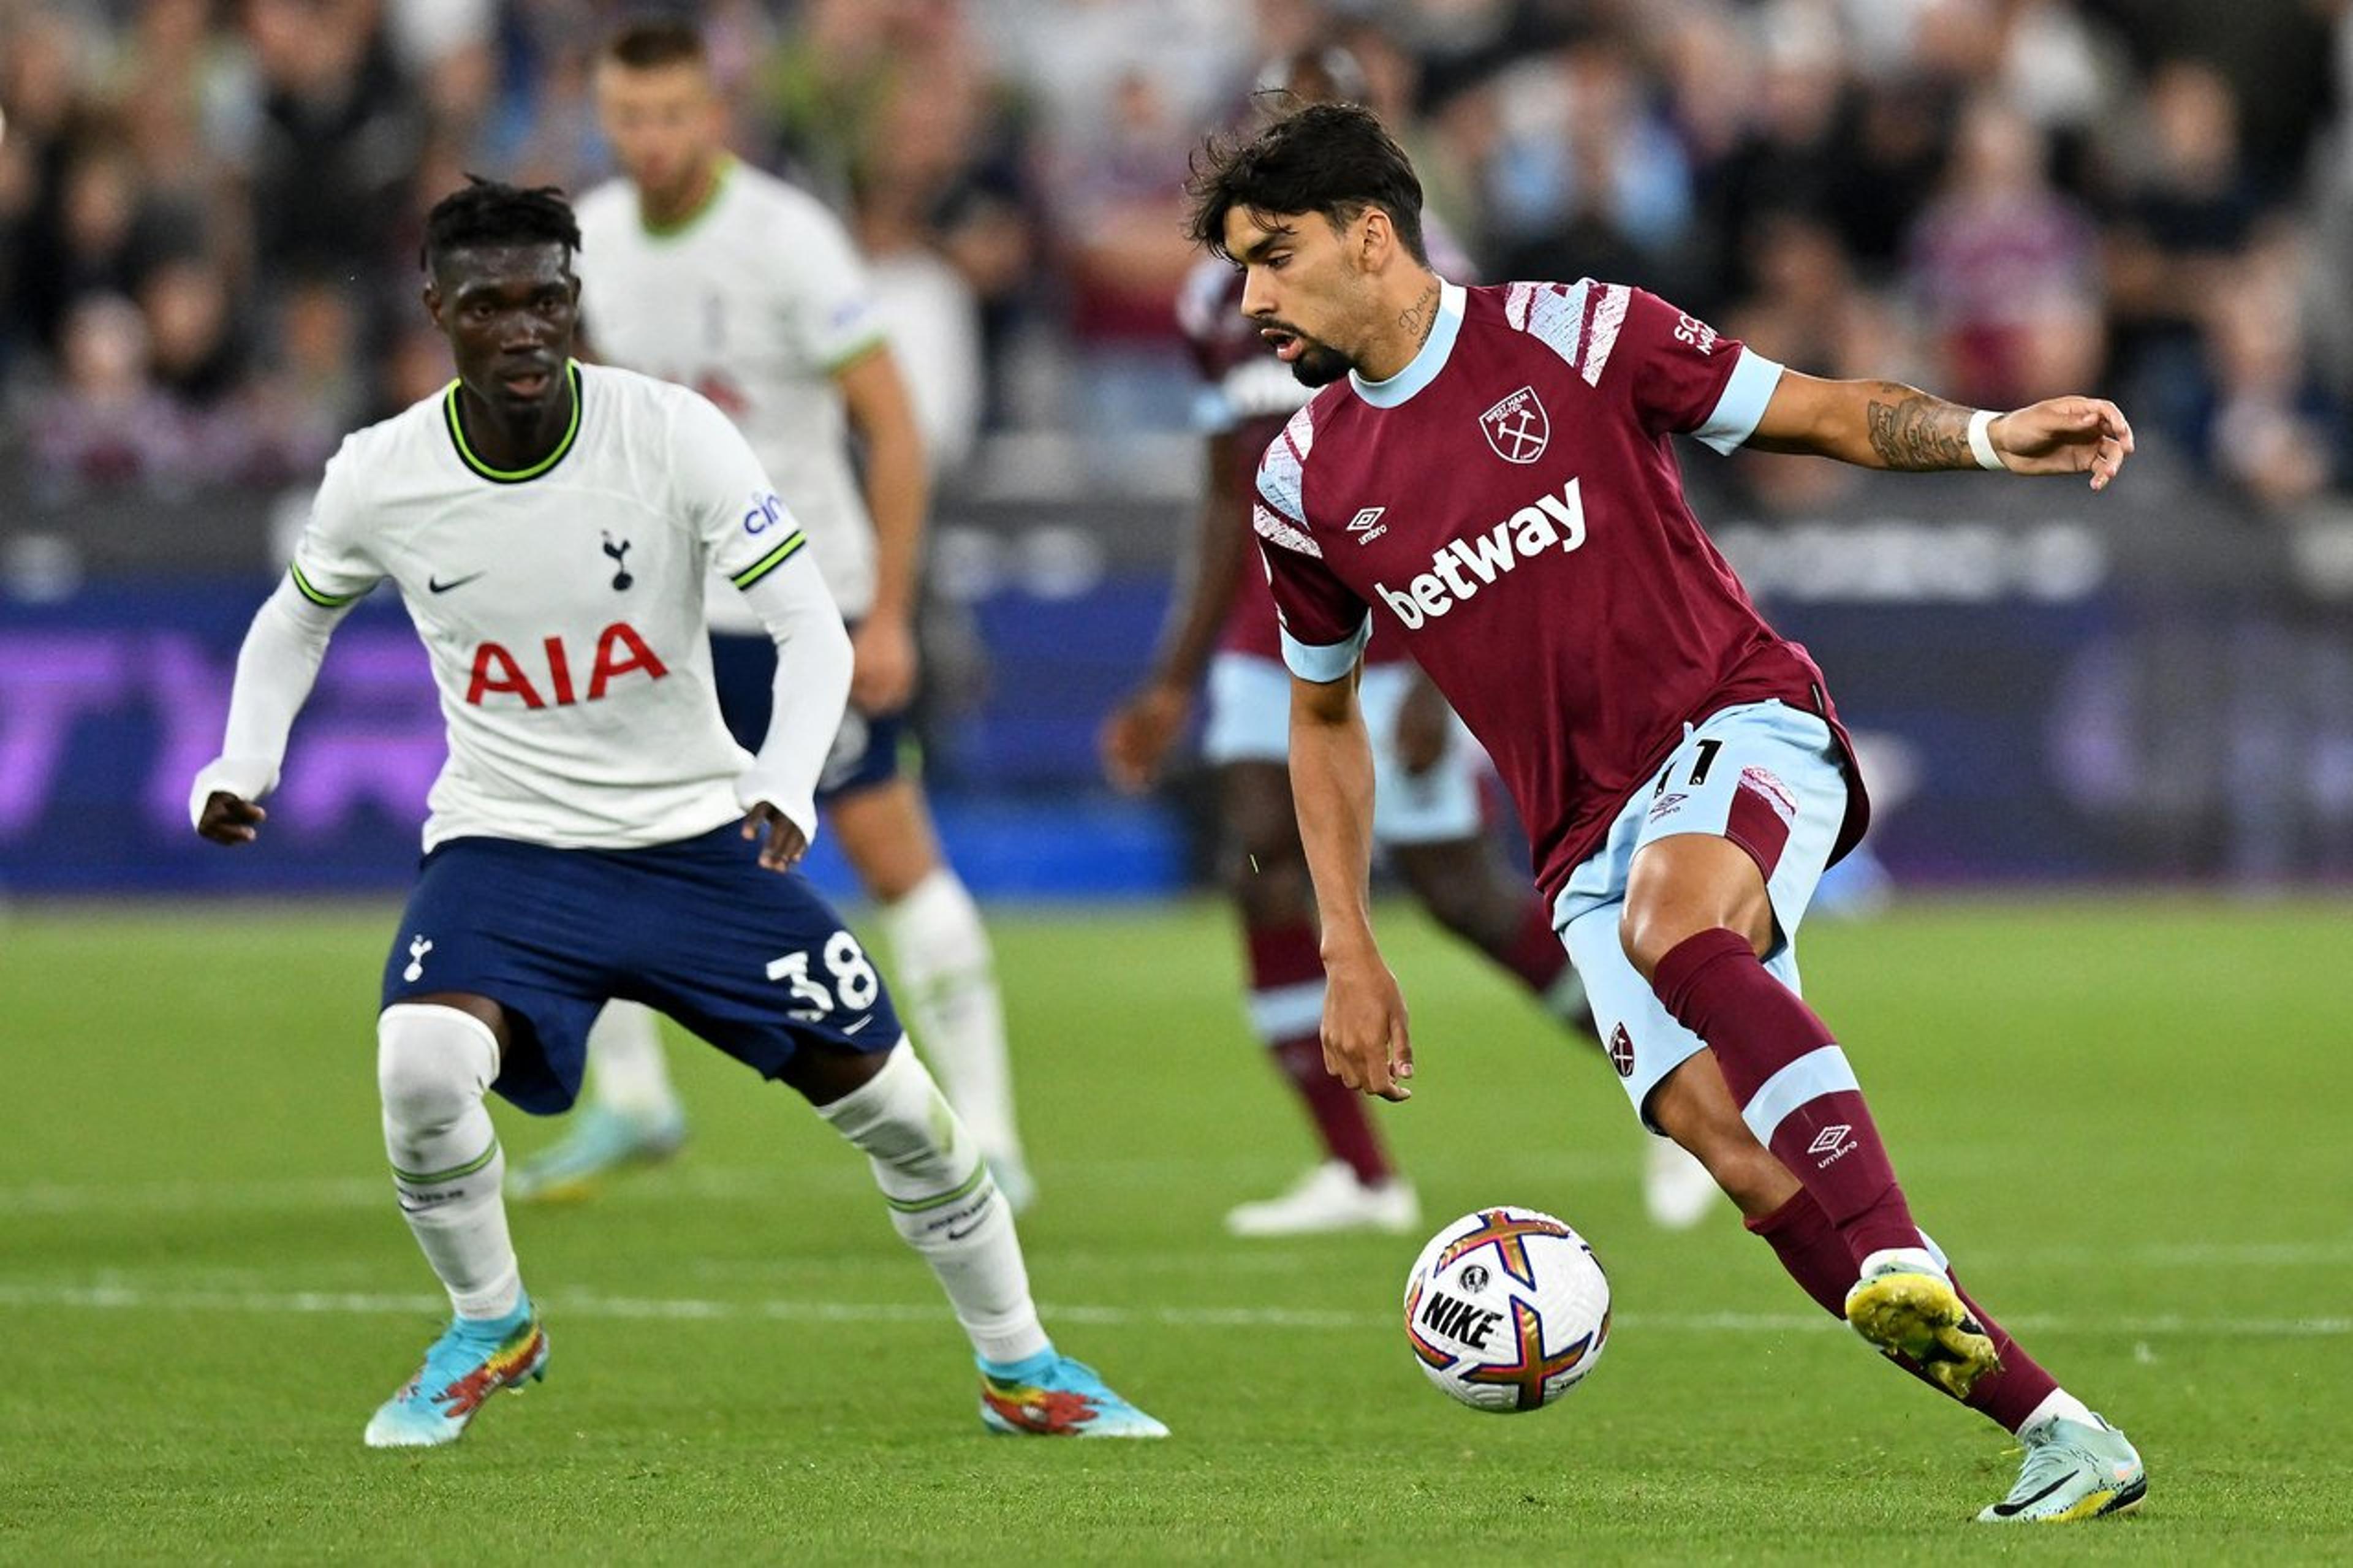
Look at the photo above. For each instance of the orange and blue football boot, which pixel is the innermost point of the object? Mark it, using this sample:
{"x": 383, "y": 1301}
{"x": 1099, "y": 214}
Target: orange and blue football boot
{"x": 471, "y": 1361}
{"x": 1052, "y": 1395}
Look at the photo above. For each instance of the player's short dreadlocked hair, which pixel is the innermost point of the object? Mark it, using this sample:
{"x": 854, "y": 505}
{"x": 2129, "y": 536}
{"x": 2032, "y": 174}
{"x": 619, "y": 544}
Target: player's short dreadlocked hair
{"x": 1333, "y": 159}
{"x": 491, "y": 212}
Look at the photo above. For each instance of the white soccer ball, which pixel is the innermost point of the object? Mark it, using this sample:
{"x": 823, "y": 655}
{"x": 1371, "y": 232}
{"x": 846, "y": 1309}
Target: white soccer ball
{"x": 1507, "y": 1309}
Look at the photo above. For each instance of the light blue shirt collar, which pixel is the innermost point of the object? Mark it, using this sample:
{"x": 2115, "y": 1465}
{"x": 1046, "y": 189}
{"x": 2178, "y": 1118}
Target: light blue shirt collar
{"x": 1423, "y": 368}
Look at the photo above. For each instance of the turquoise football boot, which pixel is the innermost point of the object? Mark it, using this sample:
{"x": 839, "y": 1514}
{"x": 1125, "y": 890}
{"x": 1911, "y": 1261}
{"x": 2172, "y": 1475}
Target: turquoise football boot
{"x": 471, "y": 1361}
{"x": 601, "y": 1142}
{"x": 1050, "y": 1395}
{"x": 2074, "y": 1469}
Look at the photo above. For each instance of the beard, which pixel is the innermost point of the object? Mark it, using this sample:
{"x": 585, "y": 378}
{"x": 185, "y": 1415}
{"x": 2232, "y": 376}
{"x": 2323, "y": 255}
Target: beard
{"x": 1318, "y": 365}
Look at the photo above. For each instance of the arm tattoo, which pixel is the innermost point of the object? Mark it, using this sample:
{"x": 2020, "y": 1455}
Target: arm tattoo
{"x": 1916, "y": 432}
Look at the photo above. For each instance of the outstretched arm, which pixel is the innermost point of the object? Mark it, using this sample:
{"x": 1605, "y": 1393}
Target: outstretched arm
{"x": 1364, "y": 1041}
{"x": 274, "y": 669}
{"x": 1136, "y": 737}
{"x": 1886, "y": 425}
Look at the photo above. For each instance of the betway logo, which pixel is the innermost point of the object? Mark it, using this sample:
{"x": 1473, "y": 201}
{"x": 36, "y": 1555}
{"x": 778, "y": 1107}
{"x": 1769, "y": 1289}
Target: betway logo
{"x": 1461, "y": 567}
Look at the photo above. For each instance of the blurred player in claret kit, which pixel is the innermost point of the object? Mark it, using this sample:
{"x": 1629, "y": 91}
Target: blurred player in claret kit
{"x": 1426, "y": 813}
{"x": 595, "y": 832}
{"x": 702, "y": 271}
{"x": 1680, "y": 767}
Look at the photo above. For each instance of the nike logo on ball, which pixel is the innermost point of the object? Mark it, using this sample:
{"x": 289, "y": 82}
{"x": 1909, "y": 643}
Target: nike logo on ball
{"x": 435, "y": 584}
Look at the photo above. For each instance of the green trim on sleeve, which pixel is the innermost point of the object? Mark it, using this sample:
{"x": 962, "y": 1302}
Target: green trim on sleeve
{"x": 877, "y": 339}
{"x": 771, "y": 560}
{"x": 324, "y": 601}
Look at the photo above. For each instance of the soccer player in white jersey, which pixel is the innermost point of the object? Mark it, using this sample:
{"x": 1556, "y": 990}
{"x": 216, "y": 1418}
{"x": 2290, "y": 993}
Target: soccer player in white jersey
{"x": 703, "y": 271}
{"x": 550, "y": 527}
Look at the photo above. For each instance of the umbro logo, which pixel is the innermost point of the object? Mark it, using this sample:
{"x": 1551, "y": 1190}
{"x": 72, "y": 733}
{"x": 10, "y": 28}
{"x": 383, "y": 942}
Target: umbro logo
{"x": 434, "y": 584}
{"x": 1366, "y": 525}
{"x": 1827, "y": 1140}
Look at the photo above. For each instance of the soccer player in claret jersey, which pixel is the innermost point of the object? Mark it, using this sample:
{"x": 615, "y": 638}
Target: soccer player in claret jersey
{"x": 703, "y": 271}
{"x": 1680, "y": 767}
{"x": 1426, "y": 813}
{"x": 550, "y": 526}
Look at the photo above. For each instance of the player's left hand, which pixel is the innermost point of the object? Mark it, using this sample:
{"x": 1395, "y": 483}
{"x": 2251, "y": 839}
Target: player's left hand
{"x": 2063, "y": 435}
{"x": 882, "y": 664}
{"x": 1364, "y": 1042}
{"x": 786, "y": 843}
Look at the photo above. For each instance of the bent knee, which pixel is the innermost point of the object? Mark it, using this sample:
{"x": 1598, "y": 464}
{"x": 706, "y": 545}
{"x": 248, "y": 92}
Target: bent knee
{"x": 433, "y": 1063}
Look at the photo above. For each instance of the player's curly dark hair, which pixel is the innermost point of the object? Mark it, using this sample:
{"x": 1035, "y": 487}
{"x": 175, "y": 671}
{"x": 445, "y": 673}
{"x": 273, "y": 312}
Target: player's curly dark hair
{"x": 1334, "y": 159}
{"x": 491, "y": 212}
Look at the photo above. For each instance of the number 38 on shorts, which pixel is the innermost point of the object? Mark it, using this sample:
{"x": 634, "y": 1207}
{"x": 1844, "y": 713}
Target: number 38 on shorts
{"x": 841, "y": 985}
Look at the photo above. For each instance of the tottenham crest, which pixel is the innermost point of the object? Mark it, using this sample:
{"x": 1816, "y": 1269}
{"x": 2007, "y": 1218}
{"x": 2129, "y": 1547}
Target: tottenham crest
{"x": 1517, "y": 427}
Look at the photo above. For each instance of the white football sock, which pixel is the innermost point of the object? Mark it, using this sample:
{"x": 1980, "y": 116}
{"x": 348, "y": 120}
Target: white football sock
{"x": 945, "y": 979}
{"x": 626, "y": 1065}
{"x": 944, "y": 1203}
{"x": 434, "y": 1064}
{"x": 2059, "y": 1403}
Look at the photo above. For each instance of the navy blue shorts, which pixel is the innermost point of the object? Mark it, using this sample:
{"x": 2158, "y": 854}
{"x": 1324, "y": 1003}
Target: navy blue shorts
{"x": 753, "y": 961}
{"x": 865, "y": 751}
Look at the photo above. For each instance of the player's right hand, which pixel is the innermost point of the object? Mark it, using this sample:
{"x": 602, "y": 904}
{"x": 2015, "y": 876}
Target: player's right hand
{"x": 1366, "y": 1044}
{"x": 1135, "y": 739}
{"x": 786, "y": 842}
{"x": 227, "y": 819}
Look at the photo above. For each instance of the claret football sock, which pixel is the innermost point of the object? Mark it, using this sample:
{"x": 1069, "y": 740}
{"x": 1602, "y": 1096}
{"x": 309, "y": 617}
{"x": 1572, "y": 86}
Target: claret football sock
{"x": 1286, "y": 1010}
{"x": 1792, "y": 1083}
{"x": 434, "y": 1064}
{"x": 944, "y": 1203}
{"x": 944, "y": 977}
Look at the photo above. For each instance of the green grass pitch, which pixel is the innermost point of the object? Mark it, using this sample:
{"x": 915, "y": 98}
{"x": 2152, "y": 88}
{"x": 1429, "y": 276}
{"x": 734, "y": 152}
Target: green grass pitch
{"x": 2126, "y": 1121}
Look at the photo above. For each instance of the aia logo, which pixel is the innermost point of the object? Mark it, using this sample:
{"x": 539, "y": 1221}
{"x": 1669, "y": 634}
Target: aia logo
{"x": 1518, "y": 428}
{"x": 619, "y": 651}
{"x": 1621, "y": 1051}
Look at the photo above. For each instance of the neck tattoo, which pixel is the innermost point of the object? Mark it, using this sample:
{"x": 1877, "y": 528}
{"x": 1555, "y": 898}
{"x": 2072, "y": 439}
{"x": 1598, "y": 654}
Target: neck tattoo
{"x": 1421, "y": 316}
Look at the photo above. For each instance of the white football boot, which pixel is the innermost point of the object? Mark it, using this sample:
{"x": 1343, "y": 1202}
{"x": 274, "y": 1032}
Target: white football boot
{"x": 1331, "y": 1198}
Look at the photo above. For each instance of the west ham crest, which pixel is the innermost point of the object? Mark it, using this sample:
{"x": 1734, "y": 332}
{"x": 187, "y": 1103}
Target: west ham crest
{"x": 1517, "y": 427}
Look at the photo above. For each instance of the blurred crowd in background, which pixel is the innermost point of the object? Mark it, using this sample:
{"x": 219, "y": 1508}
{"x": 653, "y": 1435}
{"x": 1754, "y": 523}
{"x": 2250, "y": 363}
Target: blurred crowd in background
{"x": 209, "y": 209}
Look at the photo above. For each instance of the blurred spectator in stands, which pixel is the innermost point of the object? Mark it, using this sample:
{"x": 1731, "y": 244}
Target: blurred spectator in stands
{"x": 195, "y": 352}
{"x": 339, "y": 138}
{"x": 1584, "y": 178}
{"x": 2185, "y": 215}
{"x": 2004, "y": 271}
{"x": 105, "y": 424}
{"x": 1808, "y": 311}
{"x": 2274, "y": 434}
{"x": 312, "y": 388}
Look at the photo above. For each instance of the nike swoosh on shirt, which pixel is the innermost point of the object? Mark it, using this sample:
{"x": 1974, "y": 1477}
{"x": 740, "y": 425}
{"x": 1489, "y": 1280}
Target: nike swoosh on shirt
{"x": 435, "y": 584}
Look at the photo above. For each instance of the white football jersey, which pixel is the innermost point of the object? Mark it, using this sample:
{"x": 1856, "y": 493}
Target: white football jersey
{"x": 755, "y": 302}
{"x": 562, "y": 604}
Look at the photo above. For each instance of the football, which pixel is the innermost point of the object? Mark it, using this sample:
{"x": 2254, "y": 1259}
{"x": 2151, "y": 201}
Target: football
{"x": 1507, "y": 1309}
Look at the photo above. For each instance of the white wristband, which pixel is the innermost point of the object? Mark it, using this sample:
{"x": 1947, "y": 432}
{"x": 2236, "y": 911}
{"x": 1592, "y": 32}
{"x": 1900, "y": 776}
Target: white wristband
{"x": 1981, "y": 444}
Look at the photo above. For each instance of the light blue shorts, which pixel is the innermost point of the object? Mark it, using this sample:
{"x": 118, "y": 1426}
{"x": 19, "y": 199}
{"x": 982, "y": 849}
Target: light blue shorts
{"x": 1772, "y": 779}
{"x": 1250, "y": 721}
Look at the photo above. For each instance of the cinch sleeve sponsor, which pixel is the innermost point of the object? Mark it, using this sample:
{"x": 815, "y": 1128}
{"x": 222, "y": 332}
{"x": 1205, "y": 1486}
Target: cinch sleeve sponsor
{"x": 1673, "y": 366}
{"x": 332, "y": 566}
{"x": 722, "y": 492}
